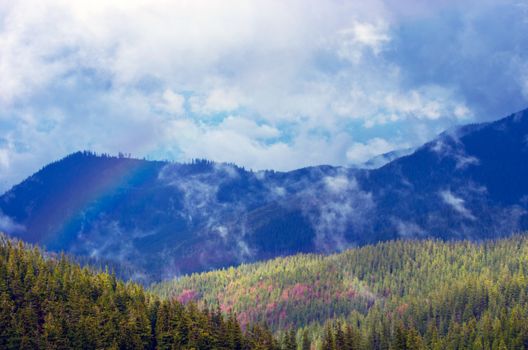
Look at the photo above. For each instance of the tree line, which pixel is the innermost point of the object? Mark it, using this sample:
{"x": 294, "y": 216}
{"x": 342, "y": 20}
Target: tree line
{"x": 49, "y": 302}
{"x": 394, "y": 295}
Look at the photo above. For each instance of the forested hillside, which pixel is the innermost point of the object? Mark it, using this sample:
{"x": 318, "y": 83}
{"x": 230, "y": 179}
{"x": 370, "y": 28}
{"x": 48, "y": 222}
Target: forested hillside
{"x": 399, "y": 295}
{"x": 52, "y": 303}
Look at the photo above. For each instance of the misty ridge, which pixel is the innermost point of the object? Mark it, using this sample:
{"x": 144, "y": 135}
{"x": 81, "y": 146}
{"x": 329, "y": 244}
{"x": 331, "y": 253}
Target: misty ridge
{"x": 158, "y": 219}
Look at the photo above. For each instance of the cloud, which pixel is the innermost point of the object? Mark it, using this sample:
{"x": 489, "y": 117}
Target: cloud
{"x": 294, "y": 83}
{"x": 172, "y": 102}
{"x": 465, "y": 45}
{"x": 248, "y": 127}
{"x": 217, "y": 100}
{"x": 360, "y": 36}
{"x": 342, "y": 209}
{"x": 247, "y": 143}
{"x": 456, "y": 203}
{"x": 361, "y": 152}
{"x": 4, "y": 158}
{"x": 408, "y": 228}
{"x": 338, "y": 184}
{"x": 448, "y": 145}
{"x": 8, "y": 225}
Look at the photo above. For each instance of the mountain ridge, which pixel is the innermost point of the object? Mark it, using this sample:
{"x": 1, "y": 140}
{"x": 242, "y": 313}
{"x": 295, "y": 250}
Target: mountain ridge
{"x": 163, "y": 219}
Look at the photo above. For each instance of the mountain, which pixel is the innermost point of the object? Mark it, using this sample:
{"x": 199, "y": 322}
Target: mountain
{"x": 450, "y": 295}
{"x": 160, "y": 219}
{"x": 468, "y": 183}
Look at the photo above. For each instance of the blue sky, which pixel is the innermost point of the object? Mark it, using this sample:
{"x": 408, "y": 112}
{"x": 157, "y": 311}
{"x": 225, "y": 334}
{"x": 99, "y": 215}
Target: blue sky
{"x": 264, "y": 84}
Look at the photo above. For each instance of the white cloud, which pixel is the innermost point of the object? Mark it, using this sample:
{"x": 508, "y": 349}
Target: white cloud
{"x": 9, "y": 226}
{"x": 249, "y": 128}
{"x": 172, "y": 102}
{"x": 523, "y": 78}
{"x": 413, "y": 103}
{"x": 408, "y": 228}
{"x": 292, "y": 74}
{"x": 361, "y": 152}
{"x": 338, "y": 184}
{"x": 456, "y": 203}
{"x": 360, "y": 36}
{"x": 462, "y": 111}
{"x": 218, "y": 100}
{"x": 450, "y": 146}
{"x": 242, "y": 141}
{"x": 463, "y": 161}
{"x": 4, "y": 159}
{"x": 344, "y": 209}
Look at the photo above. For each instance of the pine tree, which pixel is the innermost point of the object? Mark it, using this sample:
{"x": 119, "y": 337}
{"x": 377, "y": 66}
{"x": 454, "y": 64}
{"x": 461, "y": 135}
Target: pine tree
{"x": 340, "y": 341}
{"x": 328, "y": 339}
{"x": 53, "y": 336}
{"x": 414, "y": 340}
{"x": 289, "y": 342}
{"x": 306, "y": 343}
{"x": 400, "y": 338}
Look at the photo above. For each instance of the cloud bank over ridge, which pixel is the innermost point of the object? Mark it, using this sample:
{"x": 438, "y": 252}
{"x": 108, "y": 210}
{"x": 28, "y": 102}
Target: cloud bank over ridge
{"x": 265, "y": 84}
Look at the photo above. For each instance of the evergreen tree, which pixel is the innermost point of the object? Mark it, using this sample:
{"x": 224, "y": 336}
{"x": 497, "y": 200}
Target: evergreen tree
{"x": 328, "y": 339}
{"x": 306, "y": 343}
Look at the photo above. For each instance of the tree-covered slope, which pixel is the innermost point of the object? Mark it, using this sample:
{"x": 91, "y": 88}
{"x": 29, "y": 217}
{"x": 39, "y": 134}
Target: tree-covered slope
{"x": 51, "y": 303}
{"x": 441, "y": 295}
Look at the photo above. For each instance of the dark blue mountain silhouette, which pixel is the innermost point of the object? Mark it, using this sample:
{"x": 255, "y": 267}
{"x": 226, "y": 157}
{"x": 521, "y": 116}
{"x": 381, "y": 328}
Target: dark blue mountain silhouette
{"x": 159, "y": 219}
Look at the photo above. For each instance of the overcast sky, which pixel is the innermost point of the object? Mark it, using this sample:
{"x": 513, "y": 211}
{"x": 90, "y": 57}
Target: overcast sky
{"x": 264, "y": 84}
